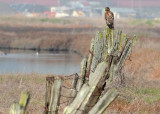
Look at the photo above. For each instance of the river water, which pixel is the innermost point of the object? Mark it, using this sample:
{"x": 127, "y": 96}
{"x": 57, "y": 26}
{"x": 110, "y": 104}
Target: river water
{"x": 57, "y": 63}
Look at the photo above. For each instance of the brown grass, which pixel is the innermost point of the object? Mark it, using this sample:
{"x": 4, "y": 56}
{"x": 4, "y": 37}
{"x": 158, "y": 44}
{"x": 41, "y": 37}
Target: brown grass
{"x": 11, "y": 87}
{"x": 120, "y": 106}
{"x": 145, "y": 58}
{"x": 155, "y": 73}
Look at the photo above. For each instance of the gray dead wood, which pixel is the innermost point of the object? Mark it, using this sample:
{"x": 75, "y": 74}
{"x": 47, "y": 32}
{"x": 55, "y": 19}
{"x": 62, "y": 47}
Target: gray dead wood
{"x": 104, "y": 102}
{"x": 90, "y": 58}
{"x": 55, "y": 96}
{"x": 80, "y": 102}
{"x": 20, "y": 108}
{"x": 73, "y": 107}
{"x": 93, "y": 83}
{"x": 74, "y": 90}
{"x": 98, "y": 74}
{"x": 82, "y": 73}
{"x": 53, "y": 86}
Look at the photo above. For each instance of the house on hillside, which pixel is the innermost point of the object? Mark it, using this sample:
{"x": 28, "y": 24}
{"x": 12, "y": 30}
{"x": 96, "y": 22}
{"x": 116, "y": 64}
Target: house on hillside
{"x": 76, "y": 8}
{"x": 61, "y": 11}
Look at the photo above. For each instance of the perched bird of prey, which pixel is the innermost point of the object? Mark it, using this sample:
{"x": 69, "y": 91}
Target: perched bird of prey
{"x": 109, "y": 17}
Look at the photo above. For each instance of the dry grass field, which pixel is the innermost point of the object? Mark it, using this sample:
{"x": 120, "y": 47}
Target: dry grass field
{"x": 11, "y": 87}
{"x": 141, "y": 93}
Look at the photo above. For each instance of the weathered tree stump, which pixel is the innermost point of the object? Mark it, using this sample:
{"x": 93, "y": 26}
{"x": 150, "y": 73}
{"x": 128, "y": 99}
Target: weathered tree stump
{"x": 112, "y": 51}
{"x": 106, "y": 59}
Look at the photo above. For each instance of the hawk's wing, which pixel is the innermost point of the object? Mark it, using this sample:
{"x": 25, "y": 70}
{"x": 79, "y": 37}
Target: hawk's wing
{"x": 109, "y": 18}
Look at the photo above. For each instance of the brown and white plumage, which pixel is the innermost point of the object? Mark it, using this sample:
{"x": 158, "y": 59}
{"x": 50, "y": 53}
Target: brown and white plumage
{"x": 109, "y": 17}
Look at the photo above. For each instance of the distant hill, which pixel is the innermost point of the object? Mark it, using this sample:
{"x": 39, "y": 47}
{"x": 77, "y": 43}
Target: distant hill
{"x": 5, "y": 9}
{"x": 115, "y": 3}
{"x": 37, "y": 2}
{"x": 137, "y": 3}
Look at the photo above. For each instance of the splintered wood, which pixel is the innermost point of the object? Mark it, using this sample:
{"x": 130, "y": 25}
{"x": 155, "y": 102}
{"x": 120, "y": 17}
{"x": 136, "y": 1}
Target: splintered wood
{"x": 92, "y": 91}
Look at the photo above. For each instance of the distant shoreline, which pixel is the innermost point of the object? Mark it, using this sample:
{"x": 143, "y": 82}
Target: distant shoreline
{"x": 53, "y": 35}
{"x": 39, "y": 50}
{"x": 33, "y": 49}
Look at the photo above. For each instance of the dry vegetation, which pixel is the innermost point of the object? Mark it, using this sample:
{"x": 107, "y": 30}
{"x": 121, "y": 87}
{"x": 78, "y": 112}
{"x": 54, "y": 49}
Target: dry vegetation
{"x": 11, "y": 87}
{"x": 141, "y": 93}
{"x": 48, "y": 36}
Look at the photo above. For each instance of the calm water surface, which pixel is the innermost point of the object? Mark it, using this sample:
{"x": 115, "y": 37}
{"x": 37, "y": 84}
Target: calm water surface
{"x": 42, "y": 62}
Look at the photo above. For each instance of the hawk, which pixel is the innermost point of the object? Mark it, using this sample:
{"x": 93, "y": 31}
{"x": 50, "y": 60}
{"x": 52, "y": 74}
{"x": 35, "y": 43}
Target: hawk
{"x": 109, "y": 17}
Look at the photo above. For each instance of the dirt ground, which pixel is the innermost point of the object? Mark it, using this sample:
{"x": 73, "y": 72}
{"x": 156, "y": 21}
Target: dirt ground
{"x": 142, "y": 73}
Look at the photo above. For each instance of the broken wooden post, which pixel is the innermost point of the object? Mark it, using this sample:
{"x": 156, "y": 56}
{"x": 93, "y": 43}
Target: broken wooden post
{"x": 82, "y": 98}
{"x": 90, "y": 57}
{"x": 53, "y": 86}
{"x": 16, "y": 109}
{"x": 96, "y": 77}
{"x": 49, "y": 83}
{"x": 82, "y": 73}
{"x": 74, "y": 90}
{"x": 73, "y": 107}
{"x": 104, "y": 102}
{"x": 19, "y": 108}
